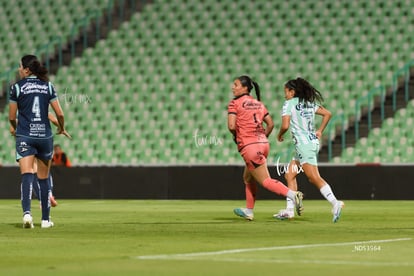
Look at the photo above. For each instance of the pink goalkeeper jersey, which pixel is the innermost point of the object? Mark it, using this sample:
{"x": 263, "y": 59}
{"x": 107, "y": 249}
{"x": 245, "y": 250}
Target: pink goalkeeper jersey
{"x": 249, "y": 118}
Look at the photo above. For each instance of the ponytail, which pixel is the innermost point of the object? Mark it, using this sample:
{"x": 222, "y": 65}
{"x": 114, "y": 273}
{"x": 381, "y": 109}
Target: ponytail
{"x": 33, "y": 64}
{"x": 256, "y": 89}
{"x": 250, "y": 84}
{"x": 304, "y": 90}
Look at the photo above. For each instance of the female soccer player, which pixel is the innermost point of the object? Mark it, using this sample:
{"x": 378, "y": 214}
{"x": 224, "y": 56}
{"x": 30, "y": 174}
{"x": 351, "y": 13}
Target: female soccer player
{"x": 35, "y": 185}
{"x": 30, "y": 98}
{"x": 245, "y": 121}
{"x": 298, "y": 113}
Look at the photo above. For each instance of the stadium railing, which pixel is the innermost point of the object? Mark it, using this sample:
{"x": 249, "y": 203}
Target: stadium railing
{"x": 368, "y": 100}
{"x": 48, "y": 50}
{"x": 404, "y": 72}
{"x": 331, "y": 130}
{"x": 83, "y": 24}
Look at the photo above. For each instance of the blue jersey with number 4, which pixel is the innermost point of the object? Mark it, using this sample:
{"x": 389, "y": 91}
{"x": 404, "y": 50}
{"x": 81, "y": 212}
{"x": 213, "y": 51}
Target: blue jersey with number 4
{"x": 33, "y": 97}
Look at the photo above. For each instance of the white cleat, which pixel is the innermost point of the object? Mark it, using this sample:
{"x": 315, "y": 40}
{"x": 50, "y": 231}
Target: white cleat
{"x": 284, "y": 214}
{"x": 47, "y": 224}
{"x": 336, "y": 210}
{"x": 28, "y": 221}
{"x": 299, "y": 203}
{"x": 242, "y": 212}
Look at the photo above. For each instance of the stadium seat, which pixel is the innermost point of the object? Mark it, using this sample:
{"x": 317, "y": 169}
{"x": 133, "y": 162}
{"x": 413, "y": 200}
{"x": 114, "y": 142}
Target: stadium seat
{"x": 164, "y": 74}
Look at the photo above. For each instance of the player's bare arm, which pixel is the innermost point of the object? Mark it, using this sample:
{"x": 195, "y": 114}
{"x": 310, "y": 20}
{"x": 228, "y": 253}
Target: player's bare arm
{"x": 326, "y": 116}
{"x": 269, "y": 124}
{"x": 283, "y": 128}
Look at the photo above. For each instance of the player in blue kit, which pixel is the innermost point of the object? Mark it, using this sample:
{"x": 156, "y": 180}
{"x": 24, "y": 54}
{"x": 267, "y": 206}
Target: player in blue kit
{"x": 35, "y": 185}
{"x": 30, "y": 99}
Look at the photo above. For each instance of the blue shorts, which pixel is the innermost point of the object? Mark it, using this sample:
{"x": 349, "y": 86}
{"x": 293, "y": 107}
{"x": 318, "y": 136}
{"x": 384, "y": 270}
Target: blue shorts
{"x": 41, "y": 148}
{"x": 307, "y": 153}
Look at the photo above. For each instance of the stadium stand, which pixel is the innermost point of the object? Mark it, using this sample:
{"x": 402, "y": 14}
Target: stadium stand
{"x": 156, "y": 90}
{"x": 26, "y": 27}
{"x": 393, "y": 142}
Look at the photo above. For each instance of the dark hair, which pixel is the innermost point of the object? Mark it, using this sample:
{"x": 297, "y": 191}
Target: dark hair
{"x": 304, "y": 90}
{"x": 250, "y": 84}
{"x": 33, "y": 64}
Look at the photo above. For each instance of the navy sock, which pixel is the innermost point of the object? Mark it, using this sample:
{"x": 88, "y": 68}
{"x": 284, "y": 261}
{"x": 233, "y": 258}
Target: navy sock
{"x": 36, "y": 187}
{"x": 50, "y": 182}
{"x": 26, "y": 191}
{"x": 44, "y": 198}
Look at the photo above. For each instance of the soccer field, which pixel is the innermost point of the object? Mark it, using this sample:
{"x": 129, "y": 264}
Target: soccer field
{"x": 204, "y": 237}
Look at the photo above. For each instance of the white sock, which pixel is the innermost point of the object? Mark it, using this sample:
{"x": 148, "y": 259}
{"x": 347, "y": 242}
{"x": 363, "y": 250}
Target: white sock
{"x": 326, "y": 191}
{"x": 249, "y": 211}
{"x": 290, "y": 205}
{"x": 291, "y": 195}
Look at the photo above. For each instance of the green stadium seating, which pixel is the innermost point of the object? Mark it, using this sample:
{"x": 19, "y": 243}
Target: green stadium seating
{"x": 392, "y": 143}
{"x": 167, "y": 73}
{"x": 26, "y": 28}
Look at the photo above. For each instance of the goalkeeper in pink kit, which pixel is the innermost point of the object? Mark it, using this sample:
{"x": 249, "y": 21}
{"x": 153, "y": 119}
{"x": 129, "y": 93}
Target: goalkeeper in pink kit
{"x": 246, "y": 116}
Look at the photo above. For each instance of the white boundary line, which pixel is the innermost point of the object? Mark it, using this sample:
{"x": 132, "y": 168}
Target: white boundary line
{"x": 243, "y": 250}
{"x": 304, "y": 261}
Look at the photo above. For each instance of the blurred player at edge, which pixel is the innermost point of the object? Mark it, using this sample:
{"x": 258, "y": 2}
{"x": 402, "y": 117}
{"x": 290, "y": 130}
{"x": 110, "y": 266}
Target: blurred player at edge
{"x": 30, "y": 98}
{"x": 53, "y": 201}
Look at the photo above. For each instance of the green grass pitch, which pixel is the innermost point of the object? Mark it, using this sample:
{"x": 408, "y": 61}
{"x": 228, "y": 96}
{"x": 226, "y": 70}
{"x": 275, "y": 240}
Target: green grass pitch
{"x": 204, "y": 237}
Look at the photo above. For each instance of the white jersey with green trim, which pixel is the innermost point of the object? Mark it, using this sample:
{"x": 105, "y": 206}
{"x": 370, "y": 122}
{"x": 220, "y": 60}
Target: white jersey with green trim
{"x": 302, "y": 120}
